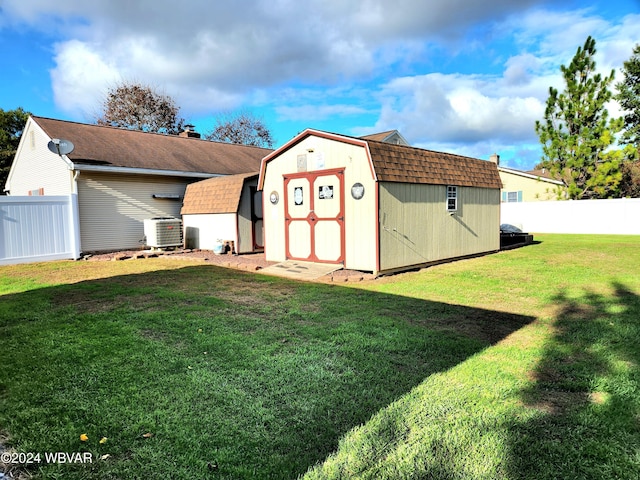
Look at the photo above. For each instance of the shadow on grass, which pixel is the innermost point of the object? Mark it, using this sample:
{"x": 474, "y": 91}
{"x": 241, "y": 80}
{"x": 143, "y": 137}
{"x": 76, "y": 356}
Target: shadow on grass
{"x": 235, "y": 375}
{"x": 586, "y": 392}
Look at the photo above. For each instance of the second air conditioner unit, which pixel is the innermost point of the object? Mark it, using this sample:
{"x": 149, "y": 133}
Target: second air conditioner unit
{"x": 163, "y": 232}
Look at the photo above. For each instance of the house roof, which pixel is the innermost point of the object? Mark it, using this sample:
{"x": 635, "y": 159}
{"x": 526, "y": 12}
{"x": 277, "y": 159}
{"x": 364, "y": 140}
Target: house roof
{"x": 539, "y": 175}
{"x": 405, "y": 164}
{"x": 215, "y": 195}
{"x": 98, "y": 145}
{"x": 387, "y": 136}
{"x": 542, "y": 172}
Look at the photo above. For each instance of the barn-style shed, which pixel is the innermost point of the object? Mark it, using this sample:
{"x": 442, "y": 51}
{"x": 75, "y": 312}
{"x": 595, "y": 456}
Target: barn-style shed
{"x": 228, "y": 209}
{"x": 376, "y": 206}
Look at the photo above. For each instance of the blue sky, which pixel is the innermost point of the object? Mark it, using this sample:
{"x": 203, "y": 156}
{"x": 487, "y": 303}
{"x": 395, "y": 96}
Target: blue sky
{"x": 460, "y": 76}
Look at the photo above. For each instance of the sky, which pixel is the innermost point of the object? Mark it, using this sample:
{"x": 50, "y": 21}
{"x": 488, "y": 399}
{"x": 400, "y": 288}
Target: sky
{"x": 459, "y": 76}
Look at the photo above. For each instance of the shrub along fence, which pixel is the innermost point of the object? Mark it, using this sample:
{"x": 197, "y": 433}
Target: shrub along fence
{"x": 612, "y": 216}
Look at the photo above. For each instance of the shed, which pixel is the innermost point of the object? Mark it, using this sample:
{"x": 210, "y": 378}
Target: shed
{"x": 224, "y": 208}
{"x": 376, "y": 206}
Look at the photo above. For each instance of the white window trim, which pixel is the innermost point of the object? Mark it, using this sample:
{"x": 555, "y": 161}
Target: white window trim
{"x": 452, "y": 194}
{"x": 512, "y": 196}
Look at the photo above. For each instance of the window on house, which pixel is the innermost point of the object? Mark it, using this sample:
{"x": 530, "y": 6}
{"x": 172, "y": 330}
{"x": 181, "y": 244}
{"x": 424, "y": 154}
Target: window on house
{"x": 510, "y": 197}
{"x": 452, "y": 198}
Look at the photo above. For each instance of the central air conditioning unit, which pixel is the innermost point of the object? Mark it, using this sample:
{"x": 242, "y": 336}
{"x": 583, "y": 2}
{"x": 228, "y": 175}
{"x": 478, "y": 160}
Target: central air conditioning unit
{"x": 163, "y": 232}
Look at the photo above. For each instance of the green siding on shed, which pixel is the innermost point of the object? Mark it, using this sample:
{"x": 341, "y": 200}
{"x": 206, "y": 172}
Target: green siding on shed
{"x": 415, "y": 227}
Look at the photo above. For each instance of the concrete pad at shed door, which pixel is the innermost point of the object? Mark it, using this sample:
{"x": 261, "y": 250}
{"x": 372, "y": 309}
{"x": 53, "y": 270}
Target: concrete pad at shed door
{"x": 301, "y": 270}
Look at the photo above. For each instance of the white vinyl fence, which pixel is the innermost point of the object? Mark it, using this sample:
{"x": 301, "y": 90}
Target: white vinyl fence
{"x": 613, "y": 216}
{"x": 34, "y": 229}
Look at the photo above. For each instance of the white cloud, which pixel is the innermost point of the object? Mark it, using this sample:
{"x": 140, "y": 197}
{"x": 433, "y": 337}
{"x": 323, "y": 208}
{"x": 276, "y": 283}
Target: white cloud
{"x": 312, "y": 60}
{"x": 476, "y": 114}
{"x": 80, "y": 79}
{"x": 438, "y": 108}
{"x": 236, "y": 46}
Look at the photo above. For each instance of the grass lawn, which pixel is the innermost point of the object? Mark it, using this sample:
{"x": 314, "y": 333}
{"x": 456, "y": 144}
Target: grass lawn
{"x": 522, "y": 364}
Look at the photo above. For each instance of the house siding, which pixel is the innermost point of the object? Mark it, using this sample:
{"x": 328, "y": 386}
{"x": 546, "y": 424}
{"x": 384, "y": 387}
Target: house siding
{"x": 112, "y": 208}
{"x": 530, "y": 189}
{"x": 26, "y": 175}
{"x": 415, "y": 227}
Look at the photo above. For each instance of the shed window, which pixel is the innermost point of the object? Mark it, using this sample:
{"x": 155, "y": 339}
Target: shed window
{"x": 452, "y": 198}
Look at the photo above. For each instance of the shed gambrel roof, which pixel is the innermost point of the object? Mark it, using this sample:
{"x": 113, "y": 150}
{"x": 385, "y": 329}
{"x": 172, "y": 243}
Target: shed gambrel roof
{"x": 399, "y": 163}
{"x": 406, "y": 164}
{"x": 215, "y": 195}
{"x": 117, "y": 147}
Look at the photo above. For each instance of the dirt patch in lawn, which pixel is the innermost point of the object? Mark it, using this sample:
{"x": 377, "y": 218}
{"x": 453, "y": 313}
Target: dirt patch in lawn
{"x": 252, "y": 262}
{"x": 484, "y": 325}
{"x": 558, "y": 402}
{"x": 10, "y": 470}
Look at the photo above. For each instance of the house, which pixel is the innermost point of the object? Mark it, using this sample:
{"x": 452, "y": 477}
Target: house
{"x": 376, "y": 206}
{"x": 531, "y": 186}
{"x": 227, "y": 209}
{"x": 120, "y": 177}
{"x": 392, "y": 136}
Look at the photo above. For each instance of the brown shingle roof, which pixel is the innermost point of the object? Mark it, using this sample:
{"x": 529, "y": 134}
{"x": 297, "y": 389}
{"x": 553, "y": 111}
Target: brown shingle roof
{"x": 391, "y": 136}
{"x": 116, "y": 147}
{"x": 378, "y": 137}
{"x": 543, "y": 172}
{"x": 405, "y": 164}
{"x": 215, "y": 195}
{"x": 399, "y": 163}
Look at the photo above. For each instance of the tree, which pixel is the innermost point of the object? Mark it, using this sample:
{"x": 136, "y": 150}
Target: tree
{"x": 629, "y": 98}
{"x": 630, "y": 179}
{"x": 241, "y": 128}
{"x": 577, "y": 134}
{"x": 12, "y": 123}
{"x": 140, "y": 107}
{"x": 630, "y": 182}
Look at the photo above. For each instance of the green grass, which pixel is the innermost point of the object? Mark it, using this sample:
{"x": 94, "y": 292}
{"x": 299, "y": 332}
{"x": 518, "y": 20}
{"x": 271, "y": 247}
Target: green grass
{"x": 522, "y": 364}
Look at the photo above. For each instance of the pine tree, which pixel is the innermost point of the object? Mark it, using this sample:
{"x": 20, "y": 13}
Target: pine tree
{"x": 629, "y": 98}
{"x": 577, "y": 132}
{"x": 12, "y": 123}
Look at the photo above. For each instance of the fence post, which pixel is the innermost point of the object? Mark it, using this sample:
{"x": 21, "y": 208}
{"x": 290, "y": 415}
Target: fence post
{"x": 74, "y": 225}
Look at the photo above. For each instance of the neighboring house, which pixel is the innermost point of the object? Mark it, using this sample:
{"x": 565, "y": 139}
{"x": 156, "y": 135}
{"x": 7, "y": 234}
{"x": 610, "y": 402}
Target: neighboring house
{"x": 392, "y": 136}
{"x": 224, "y": 209}
{"x": 120, "y": 177}
{"x": 376, "y": 206}
{"x": 532, "y": 186}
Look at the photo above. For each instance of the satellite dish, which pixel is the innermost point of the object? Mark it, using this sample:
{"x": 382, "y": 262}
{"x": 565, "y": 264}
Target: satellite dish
{"x": 60, "y": 146}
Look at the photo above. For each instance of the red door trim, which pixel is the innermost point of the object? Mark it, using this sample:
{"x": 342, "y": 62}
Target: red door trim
{"x": 312, "y": 219}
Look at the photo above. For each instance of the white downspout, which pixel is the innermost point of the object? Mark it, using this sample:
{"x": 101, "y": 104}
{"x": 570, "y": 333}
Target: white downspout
{"x": 75, "y": 216}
